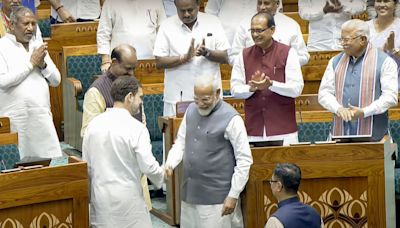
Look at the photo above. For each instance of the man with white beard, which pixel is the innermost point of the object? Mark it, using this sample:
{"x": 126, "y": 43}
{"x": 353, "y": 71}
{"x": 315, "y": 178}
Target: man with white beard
{"x": 212, "y": 142}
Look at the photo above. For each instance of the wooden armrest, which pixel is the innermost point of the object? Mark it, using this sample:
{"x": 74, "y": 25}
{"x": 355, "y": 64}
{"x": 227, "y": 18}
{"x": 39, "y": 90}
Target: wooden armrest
{"x": 76, "y": 84}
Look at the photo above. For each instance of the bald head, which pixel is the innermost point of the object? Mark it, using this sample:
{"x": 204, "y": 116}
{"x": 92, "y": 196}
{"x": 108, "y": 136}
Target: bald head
{"x": 123, "y": 60}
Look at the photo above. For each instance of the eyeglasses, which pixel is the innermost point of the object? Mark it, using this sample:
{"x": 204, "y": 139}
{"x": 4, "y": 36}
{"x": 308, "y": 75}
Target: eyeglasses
{"x": 348, "y": 39}
{"x": 258, "y": 31}
{"x": 205, "y": 99}
{"x": 272, "y": 181}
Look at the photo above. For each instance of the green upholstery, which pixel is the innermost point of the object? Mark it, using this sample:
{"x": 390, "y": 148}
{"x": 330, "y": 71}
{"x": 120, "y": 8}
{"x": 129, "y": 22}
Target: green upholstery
{"x": 9, "y": 154}
{"x": 311, "y": 132}
{"x": 45, "y": 27}
{"x": 153, "y": 108}
{"x": 83, "y": 68}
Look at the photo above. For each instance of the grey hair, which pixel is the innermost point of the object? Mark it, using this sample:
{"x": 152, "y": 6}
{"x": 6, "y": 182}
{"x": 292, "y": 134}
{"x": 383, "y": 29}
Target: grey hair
{"x": 206, "y": 80}
{"x": 18, "y": 12}
{"x": 361, "y": 27}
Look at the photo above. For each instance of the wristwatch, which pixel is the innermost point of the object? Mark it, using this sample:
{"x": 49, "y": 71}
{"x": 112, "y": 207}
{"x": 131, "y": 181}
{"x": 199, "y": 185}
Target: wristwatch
{"x": 208, "y": 53}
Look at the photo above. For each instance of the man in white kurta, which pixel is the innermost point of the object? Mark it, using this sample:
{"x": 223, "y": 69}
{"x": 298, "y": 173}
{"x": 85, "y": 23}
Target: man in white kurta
{"x": 130, "y": 22}
{"x": 117, "y": 149}
{"x": 74, "y": 10}
{"x": 26, "y": 71}
{"x": 212, "y": 145}
{"x": 287, "y": 31}
{"x": 325, "y": 19}
{"x": 188, "y": 45}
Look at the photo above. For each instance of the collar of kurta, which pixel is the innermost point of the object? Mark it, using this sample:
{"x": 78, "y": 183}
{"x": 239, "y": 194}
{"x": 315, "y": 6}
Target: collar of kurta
{"x": 111, "y": 75}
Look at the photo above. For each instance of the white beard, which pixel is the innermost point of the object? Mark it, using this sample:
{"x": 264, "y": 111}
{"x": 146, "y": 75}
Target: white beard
{"x": 206, "y": 112}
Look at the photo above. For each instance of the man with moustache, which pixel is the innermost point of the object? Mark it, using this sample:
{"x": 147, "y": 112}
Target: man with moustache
{"x": 26, "y": 71}
{"x": 287, "y": 31}
{"x": 268, "y": 76}
{"x": 188, "y": 45}
{"x": 359, "y": 85}
{"x": 212, "y": 142}
{"x": 5, "y": 12}
{"x": 117, "y": 149}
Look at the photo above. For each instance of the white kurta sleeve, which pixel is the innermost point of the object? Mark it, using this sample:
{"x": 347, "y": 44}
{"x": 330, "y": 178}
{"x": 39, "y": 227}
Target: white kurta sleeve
{"x": 300, "y": 46}
{"x": 237, "y": 135}
{"x": 15, "y": 76}
{"x": 389, "y": 90}
{"x": 309, "y": 11}
{"x": 354, "y": 7}
{"x": 175, "y": 154}
{"x": 161, "y": 45}
{"x": 147, "y": 163}
{"x": 104, "y": 29}
{"x": 51, "y": 73}
{"x": 238, "y": 43}
{"x": 239, "y": 88}
{"x": 273, "y": 222}
{"x": 213, "y": 7}
{"x": 293, "y": 85}
{"x": 326, "y": 93}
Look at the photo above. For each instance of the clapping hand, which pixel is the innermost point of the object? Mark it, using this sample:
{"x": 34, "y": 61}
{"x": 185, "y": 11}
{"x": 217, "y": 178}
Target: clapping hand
{"x": 259, "y": 81}
{"x": 201, "y": 49}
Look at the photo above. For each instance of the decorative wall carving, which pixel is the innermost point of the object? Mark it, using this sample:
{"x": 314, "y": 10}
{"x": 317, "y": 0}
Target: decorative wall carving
{"x": 43, "y": 220}
{"x": 337, "y": 207}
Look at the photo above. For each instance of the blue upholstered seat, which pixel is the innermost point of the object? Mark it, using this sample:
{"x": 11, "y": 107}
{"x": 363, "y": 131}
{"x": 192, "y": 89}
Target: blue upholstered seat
{"x": 9, "y": 154}
{"x": 311, "y": 132}
{"x": 45, "y": 27}
{"x": 153, "y": 108}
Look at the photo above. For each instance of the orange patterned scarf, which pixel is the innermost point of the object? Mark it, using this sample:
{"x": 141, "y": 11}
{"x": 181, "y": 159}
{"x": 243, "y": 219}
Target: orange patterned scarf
{"x": 367, "y": 89}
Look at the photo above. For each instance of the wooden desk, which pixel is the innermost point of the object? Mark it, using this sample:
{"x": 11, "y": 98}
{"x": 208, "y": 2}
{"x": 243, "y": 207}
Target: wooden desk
{"x": 342, "y": 173}
{"x": 46, "y": 197}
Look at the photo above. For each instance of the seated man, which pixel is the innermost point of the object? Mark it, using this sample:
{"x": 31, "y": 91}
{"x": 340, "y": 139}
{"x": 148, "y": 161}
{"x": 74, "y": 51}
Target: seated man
{"x": 212, "y": 145}
{"x": 74, "y": 10}
{"x": 359, "y": 85}
{"x": 26, "y": 71}
{"x": 291, "y": 212}
{"x": 117, "y": 149}
{"x": 268, "y": 76}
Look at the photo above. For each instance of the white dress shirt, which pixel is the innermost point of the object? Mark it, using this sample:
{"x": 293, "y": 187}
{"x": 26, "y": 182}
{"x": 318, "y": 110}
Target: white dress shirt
{"x": 325, "y": 29}
{"x": 131, "y": 22}
{"x": 292, "y": 87}
{"x": 287, "y": 31}
{"x": 236, "y": 133}
{"x": 174, "y": 38}
{"x": 25, "y": 98}
{"x": 231, "y": 13}
{"x": 388, "y": 98}
{"x": 80, "y": 9}
{"x": 118, "y": 151}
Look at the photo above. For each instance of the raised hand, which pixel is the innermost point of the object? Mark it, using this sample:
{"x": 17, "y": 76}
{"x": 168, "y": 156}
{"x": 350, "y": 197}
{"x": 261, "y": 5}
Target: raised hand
{"x": 38, "y": 54}
{"x": 201, "y": 49}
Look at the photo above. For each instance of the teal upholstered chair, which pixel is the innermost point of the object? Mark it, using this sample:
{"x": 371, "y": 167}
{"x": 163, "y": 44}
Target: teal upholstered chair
{"x": 80, "y": 64}
{"x": 9, "y": 153}
{"x": 312, "y": 132}
{"x": 45, "y": 27}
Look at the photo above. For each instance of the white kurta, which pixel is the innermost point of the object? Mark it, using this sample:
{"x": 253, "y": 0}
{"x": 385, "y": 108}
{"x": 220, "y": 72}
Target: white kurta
{"x": 173, "y": 39}
{"x": 118, "y": 151}
{"x": 378, "y": 39}
{"x": 388, "y": 98}
{"x": 80, "y": 9}
{"x": 287, "y": 31}
{"x": 25, "y": 99}
{"x": 133, "y": 22}
{"x": 292, "y": 87}
{"x": 325, "y": 29}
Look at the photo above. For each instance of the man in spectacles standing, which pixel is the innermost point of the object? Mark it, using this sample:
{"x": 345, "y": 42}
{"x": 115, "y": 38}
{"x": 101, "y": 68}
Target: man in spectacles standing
{"x": 291, "y": 212}
{"x": 359, "y": 85}
{"x": 268, "y": 76}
